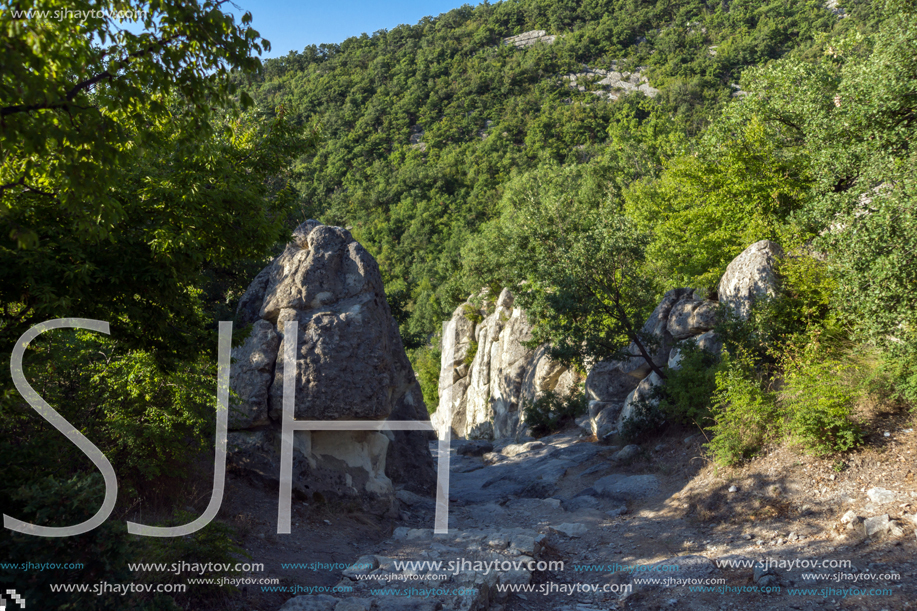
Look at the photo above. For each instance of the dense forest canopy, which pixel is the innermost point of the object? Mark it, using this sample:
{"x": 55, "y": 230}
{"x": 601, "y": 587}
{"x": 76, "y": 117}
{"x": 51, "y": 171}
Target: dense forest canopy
{"x": 424, "y": 125}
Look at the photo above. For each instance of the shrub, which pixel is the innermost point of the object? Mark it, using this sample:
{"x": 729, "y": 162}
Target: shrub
{"x": 103, "y": 552}
{"x": 213, "y": 543}
{"x": 645, "y": 420}
{"x": 472, "y": 351}
{"x": 426, "y": 363}
{"x": 550, "y": 412}
{"x": 745, "y": 415}
{"x": 818, "y": 400}
{"x": 685, "y": 397}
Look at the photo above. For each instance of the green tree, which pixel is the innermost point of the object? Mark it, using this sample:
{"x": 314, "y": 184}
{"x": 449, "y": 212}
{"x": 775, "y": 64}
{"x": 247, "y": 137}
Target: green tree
{"x": 708, "y": 206}
{"x": 120, "y": 173}
{"x": 574, "y": 263}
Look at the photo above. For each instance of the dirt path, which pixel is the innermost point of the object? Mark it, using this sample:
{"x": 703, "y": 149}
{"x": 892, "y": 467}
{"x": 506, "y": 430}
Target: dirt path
{"x": 602, "y": 513}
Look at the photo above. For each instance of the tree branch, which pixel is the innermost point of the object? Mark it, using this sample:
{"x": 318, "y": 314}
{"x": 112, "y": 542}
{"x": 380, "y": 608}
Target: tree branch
{"x": 82, "y": 86}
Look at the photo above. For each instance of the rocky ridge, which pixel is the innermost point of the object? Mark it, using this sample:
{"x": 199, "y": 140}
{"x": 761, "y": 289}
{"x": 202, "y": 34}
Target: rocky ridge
{"x": 683, "y": 315}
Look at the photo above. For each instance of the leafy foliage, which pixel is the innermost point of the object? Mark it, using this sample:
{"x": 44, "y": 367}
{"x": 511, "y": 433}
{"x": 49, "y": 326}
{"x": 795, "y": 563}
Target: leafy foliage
{"x": 646, "y": 420}
{"x": 819, "y": 397}
{"x": 426, "y": 363}
{"x": 102, "y": 552}
{"x": 425, "y": 125}
{"x": 127, "y": 176}
{"x": 551, "y": 412}
{"x": 744, "y": 413}
{"x": 685, "y": 398}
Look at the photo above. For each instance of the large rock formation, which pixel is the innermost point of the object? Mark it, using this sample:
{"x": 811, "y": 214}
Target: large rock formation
{"x": 492, "y": 372}
{"x": 615, "y": 388}
{"x": 350, "y": 365}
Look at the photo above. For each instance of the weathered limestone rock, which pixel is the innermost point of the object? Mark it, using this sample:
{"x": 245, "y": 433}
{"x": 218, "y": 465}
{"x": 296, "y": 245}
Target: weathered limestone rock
{"x": 487, "y": 395}
{"x": 613, "y": 83}
{"x": 350, "y": 365}
{"x": 252, "y": 372}
{"x": 607, "y": 383}
{"x": 605, "y": 422}
{"x": 691, "y": 316}
{"x": 705, "y": 341}
{"x": 657, "y": 326}
{"x": 643, "y": 392}
{"x": 750, "y": 276}
{"x": 527, "y": 39}
{"x": 350, "y": 362}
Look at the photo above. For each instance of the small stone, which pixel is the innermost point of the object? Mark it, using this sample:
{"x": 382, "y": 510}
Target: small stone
{"x": 876, "y": 525}
{"x": 849, "y": 517}
{"x": 881, "y": 496}
{"x": 626, "y": 453}
{"x": 498, "y": 541}
{"x": 733, "y": 489}
{"x": 660, "y": 447}
{"x": 574, "y": 531}
{"x": 760, "y": 571}
{"x": 689, "y": 439}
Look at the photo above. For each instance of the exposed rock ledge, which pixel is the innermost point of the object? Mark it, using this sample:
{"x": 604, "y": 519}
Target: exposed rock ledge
{"x": 488, "y": 390}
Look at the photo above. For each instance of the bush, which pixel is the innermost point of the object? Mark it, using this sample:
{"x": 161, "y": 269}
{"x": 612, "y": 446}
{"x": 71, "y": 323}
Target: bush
{"x": 685, "y": 397}
{"x": 745, "y": 415}
{"x": 213, "y": 543}
{"x": 472, "y": 352}
{"x": 818, "y": 400}
{"x": 550, "y": 412}
{"x": 645, "y": 420}
{"x": 426, "y": 363}
{"x": 103, "y": 552}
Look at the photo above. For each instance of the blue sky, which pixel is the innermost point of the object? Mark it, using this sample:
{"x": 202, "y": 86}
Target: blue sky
{"x": 291, "y": 26}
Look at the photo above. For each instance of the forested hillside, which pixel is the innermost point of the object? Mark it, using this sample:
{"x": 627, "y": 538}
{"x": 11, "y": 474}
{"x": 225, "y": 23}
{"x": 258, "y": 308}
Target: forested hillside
{"x": 424, "y": 126}
{"x": 464, "y": 159}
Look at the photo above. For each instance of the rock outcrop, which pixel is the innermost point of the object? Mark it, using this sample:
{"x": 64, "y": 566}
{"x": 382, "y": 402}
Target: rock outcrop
{"x": 492, "y": 372}
{"x": 527, "y": 39}
{"x": 615, "y": 388}
{"x": 350, "y": 365}
{"x": 613, "y": 83}
{"x": 750, "y": 276}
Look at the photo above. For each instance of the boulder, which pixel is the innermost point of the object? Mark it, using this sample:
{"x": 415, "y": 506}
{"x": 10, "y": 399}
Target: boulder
{"x": 605, "y": 422}
{"x": 607, "y": 383}
{"x": 705, "y": 341}
{"x": 749, "y": 277}
{"x": 691, "y": 316}
{"x": 350, "y": 365}
{"x": 252, "y": 372}
{"x": 657, "y": 327}
{"x": 643, "y": 392}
